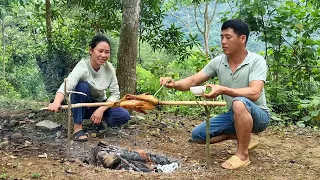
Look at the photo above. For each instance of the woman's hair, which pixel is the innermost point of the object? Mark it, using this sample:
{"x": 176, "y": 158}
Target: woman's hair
{"x": 97, "y": 39}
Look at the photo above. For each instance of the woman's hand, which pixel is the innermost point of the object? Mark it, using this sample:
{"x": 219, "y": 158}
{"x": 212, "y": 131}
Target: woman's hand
{"x": 97, "y": 115}
{"x": 216, "y": 90}
{"x": 54, "y": 106}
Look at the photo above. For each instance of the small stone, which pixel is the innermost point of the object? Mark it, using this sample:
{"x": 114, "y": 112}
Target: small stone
{"x": 230, "y": 152}
{"x": 31, "y": 115}
{"x": 48, "y": 125}
{"x": 22, "y": 122}
{"x": 140, "y": 117}
{"x": 13, "y": 123}
{"x": 69, "y": 171}
{"x": 13, "y": 157}
{"x": 43, "y": 155}
{"x": 170, "y": 139}
{"x": 4, "y": 144}
{"x": 16, "y": 135}
{"x": 59, "y": 134}
{"x": 27, "y": 143}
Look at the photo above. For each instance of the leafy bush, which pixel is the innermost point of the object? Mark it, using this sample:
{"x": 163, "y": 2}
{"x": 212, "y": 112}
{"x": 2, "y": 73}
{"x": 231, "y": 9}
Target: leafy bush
{"x": 311, "y": 111}
{"x": 7, "y": 90}
{"x": 146, "y": 81}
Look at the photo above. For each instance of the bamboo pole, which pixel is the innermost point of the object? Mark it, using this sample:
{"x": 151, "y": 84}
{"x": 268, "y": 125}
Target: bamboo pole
{"x": 186, "y": 103}
{"x": 208, "y": 103}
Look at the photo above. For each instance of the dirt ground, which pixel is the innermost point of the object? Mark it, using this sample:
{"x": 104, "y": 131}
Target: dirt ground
{"x": 282, "y": 153}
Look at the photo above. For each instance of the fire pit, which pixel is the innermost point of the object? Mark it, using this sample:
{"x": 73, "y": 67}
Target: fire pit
{"x": 113, "y": 157}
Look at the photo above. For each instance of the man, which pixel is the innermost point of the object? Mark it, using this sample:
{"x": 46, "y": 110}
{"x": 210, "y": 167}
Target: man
{"x": 241, "y": 75}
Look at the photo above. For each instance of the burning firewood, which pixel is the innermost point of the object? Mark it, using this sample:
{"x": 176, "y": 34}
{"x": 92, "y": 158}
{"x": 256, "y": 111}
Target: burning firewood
{"x": 108, "y": 160}
{"x": 113, "y": 157}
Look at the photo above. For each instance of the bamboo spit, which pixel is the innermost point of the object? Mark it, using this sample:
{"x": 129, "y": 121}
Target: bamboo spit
{"x": 209, "y": 103}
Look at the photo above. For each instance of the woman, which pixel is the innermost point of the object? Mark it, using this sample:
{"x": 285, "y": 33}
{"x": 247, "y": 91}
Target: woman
{"x": 93, "y": 76}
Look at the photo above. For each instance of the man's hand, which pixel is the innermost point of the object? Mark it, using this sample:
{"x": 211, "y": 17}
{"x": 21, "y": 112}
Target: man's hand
{"x": 164, "y": 81}
{"x": 216, "y": 90}
{"x": 54, "y": 106}
{"x": 97, "y": 115}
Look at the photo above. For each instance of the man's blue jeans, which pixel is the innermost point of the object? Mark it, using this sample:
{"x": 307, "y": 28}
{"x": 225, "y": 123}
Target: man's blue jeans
{"x": 223, "y": 124}
{"x": 112, "y": 116}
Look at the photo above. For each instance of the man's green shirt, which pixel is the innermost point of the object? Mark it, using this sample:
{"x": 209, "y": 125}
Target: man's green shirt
{"x": 254, "y": 67}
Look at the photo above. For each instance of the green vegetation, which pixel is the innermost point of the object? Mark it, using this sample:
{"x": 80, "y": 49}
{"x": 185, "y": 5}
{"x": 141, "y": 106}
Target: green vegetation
{"x": 34, "y": 62}
{"x": 35, "y": 175}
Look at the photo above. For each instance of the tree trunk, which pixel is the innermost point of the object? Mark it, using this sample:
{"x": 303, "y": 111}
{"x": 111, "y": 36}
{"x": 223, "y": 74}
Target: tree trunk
{"x": 4, "y": 50}
{"x": 127, "y": 53}
{"x": 48, "y": 26}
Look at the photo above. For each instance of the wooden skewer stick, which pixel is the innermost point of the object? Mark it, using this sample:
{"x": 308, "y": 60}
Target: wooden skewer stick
{"x": 209, "y": 103}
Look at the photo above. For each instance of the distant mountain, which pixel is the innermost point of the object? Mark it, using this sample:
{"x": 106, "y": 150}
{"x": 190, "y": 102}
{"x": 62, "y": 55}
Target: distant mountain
{"x": 186, "y": 14}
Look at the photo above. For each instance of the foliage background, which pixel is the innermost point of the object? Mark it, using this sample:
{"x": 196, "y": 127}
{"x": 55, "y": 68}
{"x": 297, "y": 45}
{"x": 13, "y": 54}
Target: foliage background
{"x": 285, "y": 32}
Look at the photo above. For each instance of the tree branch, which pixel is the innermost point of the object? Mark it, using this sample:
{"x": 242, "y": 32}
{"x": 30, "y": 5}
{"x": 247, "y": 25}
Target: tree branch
{"x": 177, "y": 17}
{"x": 213, "y": 13}
{"x": 195, "y": 19}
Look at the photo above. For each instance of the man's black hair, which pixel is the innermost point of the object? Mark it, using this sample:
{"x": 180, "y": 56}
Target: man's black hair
{"x": 239, "y": 27}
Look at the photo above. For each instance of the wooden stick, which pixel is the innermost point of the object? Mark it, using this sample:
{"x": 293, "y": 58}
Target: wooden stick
{"x": 209, "y": 103}
{"x": 97, "y": 104}
{"x": 207, "y": 134}
{"x": 67, "y": 98}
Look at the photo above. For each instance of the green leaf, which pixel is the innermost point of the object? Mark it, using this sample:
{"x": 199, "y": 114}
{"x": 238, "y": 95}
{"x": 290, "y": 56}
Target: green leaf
{"x": 315, "y": 102}
{"x": 296, "y": 113}
{"x": 306, "y": 118}
{"x": 304, "y": 105}
{"x": 276, "y": 118}
{"x": 305, "y": 101}
{"x": 314, "y": 113}
{"x": 301, "y": 124}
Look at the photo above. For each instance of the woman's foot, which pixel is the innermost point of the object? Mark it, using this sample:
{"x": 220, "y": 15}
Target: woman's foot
{"x": 80, "y": 136}
{"x": 78, "y": 133}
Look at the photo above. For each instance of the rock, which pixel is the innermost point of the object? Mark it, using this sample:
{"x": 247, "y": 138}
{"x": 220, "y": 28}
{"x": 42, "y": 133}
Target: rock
{"x": 69, "y": 171}
{"x": 13, "y": 157}
{"x": 27, "y": 143}
{"x": 43, "y": 155}
{"x": 1, "y": 127}
{"x": 31, "y": 115}
{"x": 59, "y": 135}
{"x": 13, "y": 123}
{"x": 48, "y": 125}
{"x": 16, "y": 135}
{"x": 4, "y": 144}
